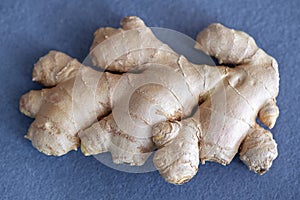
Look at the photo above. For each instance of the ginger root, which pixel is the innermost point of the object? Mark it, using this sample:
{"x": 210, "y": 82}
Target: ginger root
{"x": 66, "y": 114}
{"x": 227, "y": 117}
{"x": 84, "y": 107}
{"x": 58, "y": 115}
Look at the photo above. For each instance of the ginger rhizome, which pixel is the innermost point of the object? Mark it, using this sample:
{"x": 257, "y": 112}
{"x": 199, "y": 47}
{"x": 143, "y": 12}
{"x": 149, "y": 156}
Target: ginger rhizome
{"x": 86, "y": 107}
{"x": 226, "y": 120}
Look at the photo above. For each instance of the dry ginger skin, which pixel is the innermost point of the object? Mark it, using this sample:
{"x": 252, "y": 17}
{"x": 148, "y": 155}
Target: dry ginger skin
{"x": 226, "y": 120}
{"x": 75, "y": 111}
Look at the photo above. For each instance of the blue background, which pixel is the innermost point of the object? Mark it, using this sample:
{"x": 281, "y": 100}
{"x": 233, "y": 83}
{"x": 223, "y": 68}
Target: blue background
{"x": 29, "y": 29}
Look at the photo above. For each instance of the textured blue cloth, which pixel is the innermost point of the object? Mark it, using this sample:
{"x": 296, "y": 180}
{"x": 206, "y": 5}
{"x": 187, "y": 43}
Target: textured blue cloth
{"x": 29, "y": 29}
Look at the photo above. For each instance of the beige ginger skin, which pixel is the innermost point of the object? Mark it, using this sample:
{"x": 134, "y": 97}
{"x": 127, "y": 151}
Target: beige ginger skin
{"x": 230, "y": 100}
{"x": 63, "y": 114}
{"x": 226, "y": 120}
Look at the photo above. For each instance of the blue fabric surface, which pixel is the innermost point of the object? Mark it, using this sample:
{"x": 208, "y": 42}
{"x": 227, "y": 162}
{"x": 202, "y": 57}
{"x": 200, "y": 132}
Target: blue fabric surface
{"x": 29, "y": 29}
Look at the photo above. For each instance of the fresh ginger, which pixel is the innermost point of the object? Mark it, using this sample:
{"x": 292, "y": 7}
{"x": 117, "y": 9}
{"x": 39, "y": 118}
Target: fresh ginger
{"x": 57, "y": 117}
{"x": 226, "y": 120}
{"x": 54, "y": 130}
{"x": 229, "y": 100}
